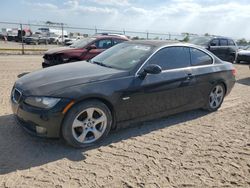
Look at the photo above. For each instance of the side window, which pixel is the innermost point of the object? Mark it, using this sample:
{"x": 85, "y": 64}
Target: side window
{"x": 231, "y": 43}
{"x": 214, "y": 42}
{"x": 223, "y": 42}
{"x": 103, "y": 44}
{"x": 172, "y": 58}
{"x": 200, "y": 58}
{"x": 117, "y": 41}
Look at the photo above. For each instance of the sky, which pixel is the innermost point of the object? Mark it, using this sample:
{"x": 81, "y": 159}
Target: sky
{"x": 219, "y": 17}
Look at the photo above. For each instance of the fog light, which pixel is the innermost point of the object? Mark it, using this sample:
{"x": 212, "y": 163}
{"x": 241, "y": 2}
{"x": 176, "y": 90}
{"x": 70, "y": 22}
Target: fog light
{"x": 40, "y": 130}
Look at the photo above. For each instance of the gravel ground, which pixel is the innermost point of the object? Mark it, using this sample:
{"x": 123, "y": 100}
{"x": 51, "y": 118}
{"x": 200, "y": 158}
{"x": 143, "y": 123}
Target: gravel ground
{"x": 192, "y": 149}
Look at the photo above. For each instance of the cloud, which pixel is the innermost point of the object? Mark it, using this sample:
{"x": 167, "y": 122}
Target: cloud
{"x": 112, "y": 2}
{"x": 222, "y": 17}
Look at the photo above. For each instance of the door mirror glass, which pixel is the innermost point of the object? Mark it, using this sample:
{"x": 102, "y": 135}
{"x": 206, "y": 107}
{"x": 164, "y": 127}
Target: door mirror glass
{"x": 91, "y": 47}
{"x": 213, "y": 44}
{"x": 152, "y": 69}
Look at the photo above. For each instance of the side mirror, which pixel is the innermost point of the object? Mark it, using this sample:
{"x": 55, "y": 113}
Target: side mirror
{"x": 91, "y": 47}
{"x": 213, "y": 44}
{"x": 150, "y": 69}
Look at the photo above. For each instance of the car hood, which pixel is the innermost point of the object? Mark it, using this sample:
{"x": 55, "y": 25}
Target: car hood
{"x": 59, "y": 50}
{"x": 47, "y": 82}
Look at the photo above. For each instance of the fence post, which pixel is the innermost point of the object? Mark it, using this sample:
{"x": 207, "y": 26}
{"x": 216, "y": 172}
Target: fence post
{"x": 21, "y": 27}
{"x": 169, "y": 36}
{"x": 95, "y": 30}
{"x": 124, "y": 32}
{"x": 62, "y": 32}
{"x": 147, "y": 35}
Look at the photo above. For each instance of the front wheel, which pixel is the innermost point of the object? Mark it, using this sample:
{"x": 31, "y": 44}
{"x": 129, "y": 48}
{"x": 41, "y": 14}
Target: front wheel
{"x": 215, "y": 98}
{"x": 86, "y": 124}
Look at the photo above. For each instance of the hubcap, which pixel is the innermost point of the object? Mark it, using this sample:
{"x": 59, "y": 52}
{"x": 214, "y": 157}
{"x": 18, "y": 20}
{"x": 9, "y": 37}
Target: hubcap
{"x": 89, "y": 125}
{"x": 216, "y": 96}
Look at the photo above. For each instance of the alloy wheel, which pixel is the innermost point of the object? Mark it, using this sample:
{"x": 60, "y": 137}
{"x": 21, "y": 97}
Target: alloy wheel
{"x": 216, "y": 96}
{"x": 89, "y": 125}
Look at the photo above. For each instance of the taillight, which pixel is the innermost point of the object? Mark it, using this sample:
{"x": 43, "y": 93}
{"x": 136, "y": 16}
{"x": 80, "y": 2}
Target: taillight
{"x": 234, "y": 71}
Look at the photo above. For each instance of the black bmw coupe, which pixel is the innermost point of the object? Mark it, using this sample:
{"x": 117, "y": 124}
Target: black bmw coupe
{"x": 130, "y": 82}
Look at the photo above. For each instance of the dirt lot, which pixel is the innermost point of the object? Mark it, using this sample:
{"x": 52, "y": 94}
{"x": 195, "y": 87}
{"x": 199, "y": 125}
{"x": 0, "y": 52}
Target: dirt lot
{"x": 193, "y": 149}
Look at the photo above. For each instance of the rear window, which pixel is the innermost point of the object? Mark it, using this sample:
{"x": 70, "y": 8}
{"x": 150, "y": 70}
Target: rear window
{"x": 199, "y": 57}
{"x": 117, "y": 41}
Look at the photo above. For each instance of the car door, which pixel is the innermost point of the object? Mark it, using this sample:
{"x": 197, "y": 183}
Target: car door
{"x": 101, "y": 45}
{"x": 171, "y": 90}
{"x": 224, "y": 49}
{"x": 202, "y": 65}
{"x": 215, "y": 48}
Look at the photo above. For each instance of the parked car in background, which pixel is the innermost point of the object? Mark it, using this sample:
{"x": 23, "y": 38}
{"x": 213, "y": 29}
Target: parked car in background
{"x": 36, "y": 39}
{"x": 84, "y": 49}
{"x": 224, "y": 48}
{"x": 130, "y": 82}
{"x": 243, "y": 55}
{"x": 62, "y": 40}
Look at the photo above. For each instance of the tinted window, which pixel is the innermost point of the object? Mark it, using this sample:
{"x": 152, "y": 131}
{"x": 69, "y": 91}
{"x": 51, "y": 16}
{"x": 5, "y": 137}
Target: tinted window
{"x": 172, "y": 58}
{"x": 231, "y": 43}
{"x": 223, "y": 42}
{"x": 200, "y": 58}
{"x": 214, "y": 42}
{"x": 103, "y": 44}
{"x": 82, "y": 42}
{"x": 117, "y": 41}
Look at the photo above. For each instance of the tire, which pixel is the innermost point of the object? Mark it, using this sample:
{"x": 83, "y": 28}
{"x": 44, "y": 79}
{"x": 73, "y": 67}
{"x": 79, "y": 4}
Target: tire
{"x": 214, "y": 101}
{"x": 81, "y": 129}
{"x": 231, "y": 59}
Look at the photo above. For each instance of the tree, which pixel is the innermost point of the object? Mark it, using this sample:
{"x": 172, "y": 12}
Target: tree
{"x": 242, "y": 42}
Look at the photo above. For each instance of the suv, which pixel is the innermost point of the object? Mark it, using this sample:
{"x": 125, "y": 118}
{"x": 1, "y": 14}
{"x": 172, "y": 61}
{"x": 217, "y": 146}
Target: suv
{"x": 224, "y": 48}
{"x": 84, "y": 49}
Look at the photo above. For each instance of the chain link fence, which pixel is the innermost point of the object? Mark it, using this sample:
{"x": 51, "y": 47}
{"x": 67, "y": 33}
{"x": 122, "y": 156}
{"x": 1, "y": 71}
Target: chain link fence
{"x": 13, "y": 35}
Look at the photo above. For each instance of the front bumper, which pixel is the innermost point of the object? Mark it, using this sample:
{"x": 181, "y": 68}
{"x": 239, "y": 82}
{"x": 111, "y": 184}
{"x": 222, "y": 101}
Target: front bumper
{"x": 39, "y": 122}
{"x": 243, "y": 58}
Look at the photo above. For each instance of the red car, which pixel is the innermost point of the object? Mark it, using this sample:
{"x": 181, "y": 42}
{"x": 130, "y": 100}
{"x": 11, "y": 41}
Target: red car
{"x": 84, "y": 49}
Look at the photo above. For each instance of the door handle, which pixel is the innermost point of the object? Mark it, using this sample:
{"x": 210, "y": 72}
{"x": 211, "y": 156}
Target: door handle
{"x": 189, "y": 76}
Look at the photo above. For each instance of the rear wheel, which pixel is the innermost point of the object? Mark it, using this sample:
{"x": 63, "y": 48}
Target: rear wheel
{"x": 87, "y": 124}
{"x": 215, "y": 98}
{"x": 231, "y": 59}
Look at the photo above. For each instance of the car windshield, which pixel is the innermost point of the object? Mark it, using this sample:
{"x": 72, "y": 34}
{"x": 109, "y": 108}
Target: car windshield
{"x": 200, "y": 40}
{"x": 124, "y": 56}
{"x": 82, "y": 42}
{"x": 247, "y": 48}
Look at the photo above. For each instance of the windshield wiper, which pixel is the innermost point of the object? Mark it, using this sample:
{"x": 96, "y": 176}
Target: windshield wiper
{"x": 101, "y": 64}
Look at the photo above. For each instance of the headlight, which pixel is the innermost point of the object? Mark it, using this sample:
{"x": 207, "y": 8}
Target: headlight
{"x": 42, "y": 102}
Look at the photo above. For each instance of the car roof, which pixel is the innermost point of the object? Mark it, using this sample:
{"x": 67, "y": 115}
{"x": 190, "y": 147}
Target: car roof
{"x": 155, "y": 43}
{"x": 160, "y": 43}
{"x": 110, "y": 36}
{"x": 213, "y": 37}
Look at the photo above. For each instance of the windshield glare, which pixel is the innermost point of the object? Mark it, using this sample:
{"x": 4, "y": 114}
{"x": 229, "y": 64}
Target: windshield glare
{"x": 124, "y": 56}
{"x": 82, "y": 42}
